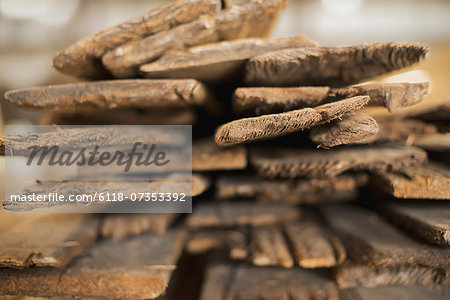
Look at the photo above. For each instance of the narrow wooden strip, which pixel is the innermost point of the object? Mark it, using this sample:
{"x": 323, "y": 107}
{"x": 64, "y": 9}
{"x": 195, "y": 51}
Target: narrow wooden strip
{"x": 207, "y": 156}
{"x": 217, "y": 281}
{"x": 217, "y": 62}
{"x": 333, "y": 66}
{"x": 352, "y": 128}
{"x": 83, "y": 57}
{"x": 394, "y": 293}
{"x": 396, "y": 129}
{"x": 292, "y": 163}
{"x": 439, "y": 142}
{"x": 337, "y": 109}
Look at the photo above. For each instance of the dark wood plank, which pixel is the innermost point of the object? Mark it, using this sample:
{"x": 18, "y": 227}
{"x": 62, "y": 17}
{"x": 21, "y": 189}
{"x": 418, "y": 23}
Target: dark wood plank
{"x": 333, "y": 66}
{"x": 207, "y": 156}
{"x": 292, "y": 163}
{"x": 393, "y": 293}
{"x": 83, "y": 57}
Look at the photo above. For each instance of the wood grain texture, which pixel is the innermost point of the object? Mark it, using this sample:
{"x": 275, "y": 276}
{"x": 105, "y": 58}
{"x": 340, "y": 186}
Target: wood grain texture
{"x": 395, "y": 129}
{"x": 352, "y": 128}
{"x": 137, "y": 268}
{"x": 31, "y": 244}
{"x": 112, "y": 94}
{"x": 334, "y": 66}
{"x": 83, "y": 57}
{"x": 428, "y": 181}
{"x": 217, "y": 62}
{"x": 337, "y": 109}
{"x": 207, "y": 156}
{"x": 275, "y": 162}
{"x": 234, "y": 240}
{"x": 393, "y": 293}
{"x": 370, "y": 240}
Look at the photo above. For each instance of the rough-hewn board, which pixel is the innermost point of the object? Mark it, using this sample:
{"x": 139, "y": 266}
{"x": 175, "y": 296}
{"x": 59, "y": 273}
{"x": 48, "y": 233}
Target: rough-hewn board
{"x": 369, "y": 239}
{"x": 337, "y": 109}
{"x": 83, "y": 57}
{"x": 352, "y": 128}
{"x": 52, "y": 240}
{"x": 428, "y": 221}
{"x": 428, "y": 181}
{"x": 217, "y": 62}
{"x": 210, "y": 239}
{"x": 334, "y": 66}
{"x": 207, "y": 156}
{"x": 227, "y": 214}
{"x": 439, "y": 142}
{"x": 393, "y": 293}
{"x": 310, "y": 191}
{"x": 396, "y": 129}
{"x": 291, "y": 162}
{"x": 136, "y": 268}
{"x": 100, "y": 95}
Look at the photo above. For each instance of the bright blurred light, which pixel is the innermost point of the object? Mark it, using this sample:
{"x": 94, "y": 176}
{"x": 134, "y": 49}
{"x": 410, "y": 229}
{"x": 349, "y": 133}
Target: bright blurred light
{"x": 410, "y": 76}
{"x": 342, "y": 7}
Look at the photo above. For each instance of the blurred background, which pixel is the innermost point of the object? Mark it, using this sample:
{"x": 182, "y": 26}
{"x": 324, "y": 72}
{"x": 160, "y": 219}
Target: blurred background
{"x": 31, "y": 31}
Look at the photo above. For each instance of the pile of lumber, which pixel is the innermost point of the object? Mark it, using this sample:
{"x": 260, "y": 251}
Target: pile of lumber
{"x": 298, "y": 193}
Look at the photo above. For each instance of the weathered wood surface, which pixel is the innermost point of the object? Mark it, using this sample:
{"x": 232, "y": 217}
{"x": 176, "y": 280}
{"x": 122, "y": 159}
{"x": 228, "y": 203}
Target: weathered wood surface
{"x": 207, "y": 156}
{"x": 119, "y": 226}
{"x": 428, "y": 181}
{"x": 102, "y": 95}
{"x": 275, "y": 125}
{"x": 439, "y": 142}
{"x": 309, "y": 191}
{"x": 334, "y": 66}
{"x": 396, "y": 129}
{"x": 275, "y": 162}
{"x": 217, "y": 62}
{"x": 231, "y": 282}
{"x": 352, "y": 128}
{"x": 52, "y": 240}
{"x": 427, "y": 221}
{"x": 228, "y": 214}
{"x": 353, "y": 275}
{"x": 435, "y": 113}
{"x": 136, "y": 268}
{"x": 393, "y": 293}
{"x": 234, "y": 240}
{"x": 265, "y": 100}
{"x": 369, "y": 239}
{"x": 83, "y": 57}
{"x": 252, "y": 19}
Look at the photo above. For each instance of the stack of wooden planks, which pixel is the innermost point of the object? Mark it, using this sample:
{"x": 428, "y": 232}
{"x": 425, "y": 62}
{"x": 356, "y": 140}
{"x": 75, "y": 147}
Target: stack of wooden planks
{"x": 298, "y": 192}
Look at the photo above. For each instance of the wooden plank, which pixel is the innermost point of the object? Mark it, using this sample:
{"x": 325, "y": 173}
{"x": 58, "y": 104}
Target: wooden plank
{"x": 395, "y": 129}
{"x": 439, "y": 142}
{"x": 333, "y": 66}
{"x": 428, "y": 221}
{"x": 308, "y": 191}
{"x": 228, "y": 214}
{"x": 217, "y": 280}
{"x": 136, "y": 268}
{"x": 101, "y": 95}
{"x": 369, "y": 239}
{"x": 49, "y": 241}
{"x": 428, "y": 181}
{"x": 237, "y": 21}
{"x": 217, "y": 62}
{"x": 275, "y": 162}
{"x": 207, "y": 156}
{"x": 337, "y": 109}
{"x": 83, "y": 57}
{"x": 393, "y": 293}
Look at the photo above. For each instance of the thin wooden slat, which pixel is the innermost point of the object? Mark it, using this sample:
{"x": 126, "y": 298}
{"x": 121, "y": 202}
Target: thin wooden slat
{"x": 207, "y": 156}
{"x": 394, "y": 129}
{"x": 439, "y": 142}
{"x": 334, "y": 66}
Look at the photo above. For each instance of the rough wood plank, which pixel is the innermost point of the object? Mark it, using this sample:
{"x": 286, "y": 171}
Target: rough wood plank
{"x": 393, "y": 293}
{"x": 102, "y": 95}
{"x": 396, "y": 129}
{"x": 217, "y": 62}
{"x": 83, "y": 57}
{"x": 310, "y": 191}
{"x": 291, "y": 162}
{"x": 136, "y": 268}
{"x": 428, "y": 221}
{"x": 50, "y": 241}
{"x": 369, "y": 239}
{"x": 217, "y": 280}
{"x": 352, "y": 128}
{"x": 237, "y": 21}
{"x": 337, "y": 109}
{"x": 235, "y": 240}
{"x": 207, "y": 156}
{"x": 439, "y": 142}
{"x": 228, "y": 214}
{"x": 334, "y": 66}
{"x": 428, "y": 181}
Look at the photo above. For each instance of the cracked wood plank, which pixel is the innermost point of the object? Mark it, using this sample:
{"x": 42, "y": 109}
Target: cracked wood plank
{"x": 207, "y": 156}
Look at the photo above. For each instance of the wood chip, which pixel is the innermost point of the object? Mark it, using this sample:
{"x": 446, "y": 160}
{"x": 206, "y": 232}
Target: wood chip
{"x": 428, "y": 221}
{"x": 207, "y": 156}
{"x": 83, "y": 57}
{"x": 428, "y": 181}
{"x": 369, "y": 239}
{"x": 217, "y": 62}
{"x": 309, "y": 191}
{"x": 228, "y": 214}
{"x": 31, "y": 244}
{"x": 334, "y": 66}
{"x": 136, "y": 268}
{"x": 291, "y": 162}
{"x": 101, "y": 95}
{"x": 352, "y": 128}
{"x": 393, "y": 293}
